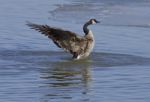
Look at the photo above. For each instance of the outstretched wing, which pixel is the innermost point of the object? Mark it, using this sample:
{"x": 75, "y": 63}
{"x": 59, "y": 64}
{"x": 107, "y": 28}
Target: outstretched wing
{"x": 67, "y": 40}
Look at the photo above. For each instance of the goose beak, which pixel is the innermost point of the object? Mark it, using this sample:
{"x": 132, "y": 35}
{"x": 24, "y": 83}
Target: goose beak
{"x": 97, "y": 21}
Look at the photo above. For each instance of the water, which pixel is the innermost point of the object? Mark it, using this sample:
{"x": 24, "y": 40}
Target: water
{"x": 33, "y": 69}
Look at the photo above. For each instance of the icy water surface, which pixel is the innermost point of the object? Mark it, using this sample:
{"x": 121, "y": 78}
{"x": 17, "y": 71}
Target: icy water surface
{"x": 33, "y": 69}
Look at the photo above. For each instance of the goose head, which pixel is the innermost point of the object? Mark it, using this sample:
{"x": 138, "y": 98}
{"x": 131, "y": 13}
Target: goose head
{"x": 93, "y": 21}
{"x": 90, "y": 22}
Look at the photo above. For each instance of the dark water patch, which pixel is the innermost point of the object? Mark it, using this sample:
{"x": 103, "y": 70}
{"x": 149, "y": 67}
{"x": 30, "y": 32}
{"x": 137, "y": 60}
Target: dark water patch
{"x": 78, "y": 12}
{"x": 112, "y": 12}
{"x": 112, "y": 59}
{"x": 134, "y": 26}
{"x": 113, "y": 2}
{"x": 55, "y": 58}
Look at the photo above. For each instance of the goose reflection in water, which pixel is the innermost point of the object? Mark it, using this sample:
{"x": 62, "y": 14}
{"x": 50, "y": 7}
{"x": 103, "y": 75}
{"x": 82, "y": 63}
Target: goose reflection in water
{"x": 63, "y": 79}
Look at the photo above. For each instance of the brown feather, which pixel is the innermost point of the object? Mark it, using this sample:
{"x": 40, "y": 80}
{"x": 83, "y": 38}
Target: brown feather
{"x": 67, "y": 40}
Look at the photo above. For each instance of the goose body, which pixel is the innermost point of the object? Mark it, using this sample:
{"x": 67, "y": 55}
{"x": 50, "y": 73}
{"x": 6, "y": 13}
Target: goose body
{"x": 79, "y": 46}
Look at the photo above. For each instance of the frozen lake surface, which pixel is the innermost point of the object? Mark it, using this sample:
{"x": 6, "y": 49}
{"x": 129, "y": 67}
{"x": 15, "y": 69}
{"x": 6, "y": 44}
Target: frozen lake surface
{"x": 33, "y": 69}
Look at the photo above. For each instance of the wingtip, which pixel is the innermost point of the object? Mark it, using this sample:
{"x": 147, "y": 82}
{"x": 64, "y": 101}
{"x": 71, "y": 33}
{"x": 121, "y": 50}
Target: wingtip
{"x": 28, "y": 23}
{"x": 31, "y": 25}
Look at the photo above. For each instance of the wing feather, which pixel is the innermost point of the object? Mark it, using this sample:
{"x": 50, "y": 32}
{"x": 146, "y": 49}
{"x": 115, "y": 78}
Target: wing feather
{"x": 67, "y": 40}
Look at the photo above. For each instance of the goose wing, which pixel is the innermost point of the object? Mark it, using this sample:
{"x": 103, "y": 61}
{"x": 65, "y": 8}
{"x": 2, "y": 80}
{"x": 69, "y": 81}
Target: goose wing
{"x": 67, "y": 40}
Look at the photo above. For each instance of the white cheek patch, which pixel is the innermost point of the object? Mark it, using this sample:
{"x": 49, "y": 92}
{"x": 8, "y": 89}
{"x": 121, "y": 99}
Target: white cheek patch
{"x": 93, "y": 22}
